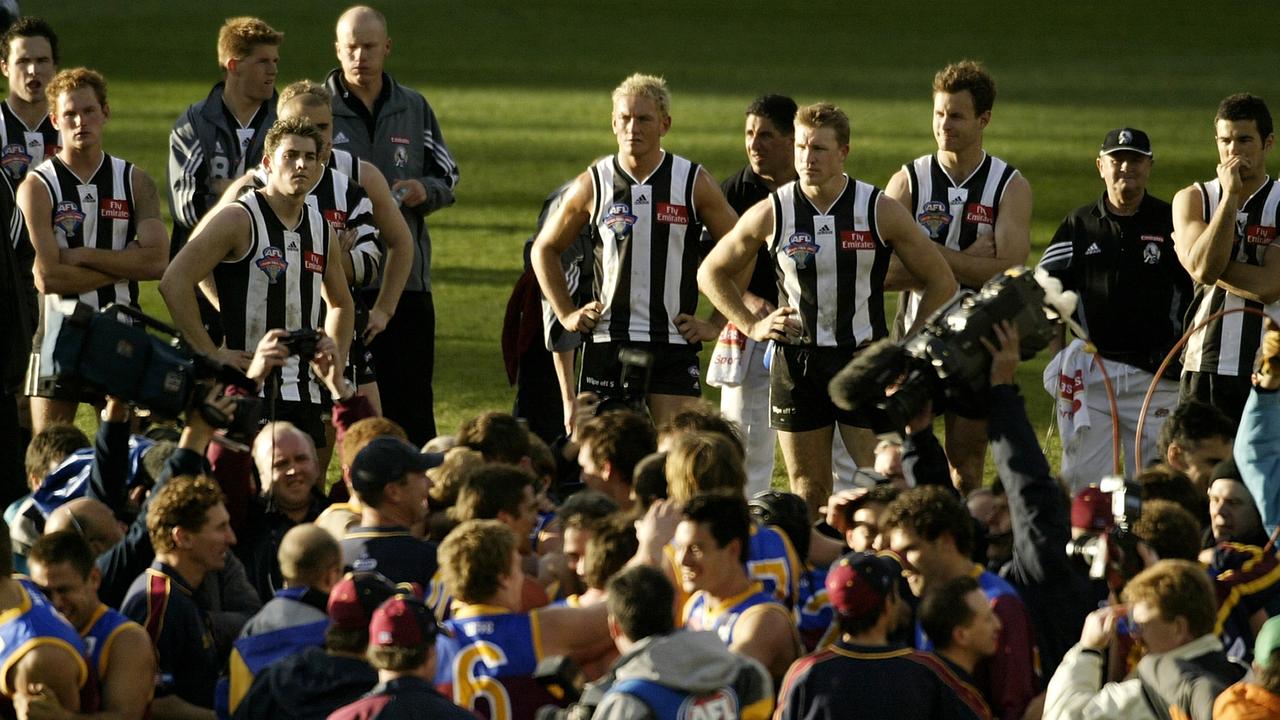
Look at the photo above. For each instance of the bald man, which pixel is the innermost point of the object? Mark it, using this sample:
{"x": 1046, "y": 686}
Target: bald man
{"x": 90, "y": 519}
{"x": 394, "y": 128}
{"x": 297, "y": 617}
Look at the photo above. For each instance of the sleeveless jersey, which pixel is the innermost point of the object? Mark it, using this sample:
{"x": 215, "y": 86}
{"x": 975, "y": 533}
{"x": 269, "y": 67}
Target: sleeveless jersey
{"x": 22, "y": 148}
{"x": 831, "y": 265}
{"x": 1227, "y": 346}
{"x": 646, "y": 262}
{"x": 105, "y": 624}
{"x": 700, "y": 612}
{"x": 276, "y": 284}
{"x": 94, "y": 214}
{"x": 815, "y": 616}
{"x": 342, "y": 202}
{"x": 773, "y": 562}
{"x": 954, "y": 214}
{"x": 33, "y": 623}
{"x": 670, "y": 704}
{"x": 487, "y": 666}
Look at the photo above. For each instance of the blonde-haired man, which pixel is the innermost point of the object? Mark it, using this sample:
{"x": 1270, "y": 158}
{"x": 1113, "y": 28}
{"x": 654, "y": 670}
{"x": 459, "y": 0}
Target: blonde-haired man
{"x": 220, "y": 138}
{"x": 648, "y": 207}
{"x": 94, "y": 222}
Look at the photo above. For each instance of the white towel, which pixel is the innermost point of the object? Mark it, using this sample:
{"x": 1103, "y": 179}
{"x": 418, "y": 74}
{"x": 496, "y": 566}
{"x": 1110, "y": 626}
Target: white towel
{"x": 728, "y": 367}
{"x": 1066, "y": 379}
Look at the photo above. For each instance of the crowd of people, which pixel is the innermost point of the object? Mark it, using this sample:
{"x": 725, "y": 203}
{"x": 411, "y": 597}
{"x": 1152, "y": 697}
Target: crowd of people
{"x": 613, "y": 548}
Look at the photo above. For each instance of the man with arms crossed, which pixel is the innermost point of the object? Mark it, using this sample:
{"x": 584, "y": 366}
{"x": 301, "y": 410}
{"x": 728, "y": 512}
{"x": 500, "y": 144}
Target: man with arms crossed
{"x": 269, "y": 255}
{"x": 94, "y": 221}
{"x": 976, "y": 207}
{"x": 1222, "y": 229}
{"x": 830, "y": 238}
{"x": 649, "y": 207}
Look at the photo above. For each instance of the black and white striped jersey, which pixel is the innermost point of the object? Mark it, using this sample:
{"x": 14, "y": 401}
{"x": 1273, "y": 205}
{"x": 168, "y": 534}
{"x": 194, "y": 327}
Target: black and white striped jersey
{"x": 22, "y": 148}
{"x": 344, "y": 205}
{"x": 277, "y": 283}
{"x": 646, "y": 263}
{"x": 97, "y": 213}
{"x": 1228, "y": 345}
{"x": 831, "y": 265}
{"x": 953, "y": 213}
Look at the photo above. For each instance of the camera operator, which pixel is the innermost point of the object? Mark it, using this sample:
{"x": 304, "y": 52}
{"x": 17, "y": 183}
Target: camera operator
{"x": 289, "y": 472}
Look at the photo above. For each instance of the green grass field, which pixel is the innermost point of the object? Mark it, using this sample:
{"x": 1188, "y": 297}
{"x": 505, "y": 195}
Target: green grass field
{"x": 522, "y": 91}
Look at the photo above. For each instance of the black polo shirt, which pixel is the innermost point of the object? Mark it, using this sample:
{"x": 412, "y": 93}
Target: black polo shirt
{"x": 1133, "y": 291}
{"x": 742, "y": 191}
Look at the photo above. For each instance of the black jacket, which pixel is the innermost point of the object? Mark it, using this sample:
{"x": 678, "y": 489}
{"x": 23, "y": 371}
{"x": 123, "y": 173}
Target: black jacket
{"x": 310, "y": 684}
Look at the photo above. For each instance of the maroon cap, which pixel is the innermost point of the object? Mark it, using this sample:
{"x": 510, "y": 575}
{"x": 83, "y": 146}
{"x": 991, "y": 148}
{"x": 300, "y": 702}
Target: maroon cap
{"x": 402, "y": 621}
{"x": 1091, "y": 509}
{"x": 355, "y": 597}
{"x": 859, "y": 583}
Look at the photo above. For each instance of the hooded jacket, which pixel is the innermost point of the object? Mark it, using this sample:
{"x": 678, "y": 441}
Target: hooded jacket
{"x": 690, "y": 663}
{"x": 310, "y": 684}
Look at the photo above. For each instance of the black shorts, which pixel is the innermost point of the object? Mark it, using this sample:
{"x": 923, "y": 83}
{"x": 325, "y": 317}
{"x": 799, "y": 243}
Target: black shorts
{"x": 675, "y": 369}
{"x": 306, "y": 416}
{"x": 798, "y": 397}
{"x": 1228, "y": 393}
{"x": 360, "y": 370}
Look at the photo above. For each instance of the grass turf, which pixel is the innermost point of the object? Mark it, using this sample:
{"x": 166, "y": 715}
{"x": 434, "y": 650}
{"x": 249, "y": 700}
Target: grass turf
{"x": 522, "y": 94}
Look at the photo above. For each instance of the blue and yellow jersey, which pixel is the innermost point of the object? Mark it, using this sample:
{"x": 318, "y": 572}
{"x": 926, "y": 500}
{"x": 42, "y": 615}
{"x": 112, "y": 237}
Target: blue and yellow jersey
{"x": 771, "y": 560}
{"x": 487, "y": 666}
{"x": 702, "y": 612}
{"x": 31, "y": 624}
{"x": 104, "y": 626}
{"x": 814, "y": 617}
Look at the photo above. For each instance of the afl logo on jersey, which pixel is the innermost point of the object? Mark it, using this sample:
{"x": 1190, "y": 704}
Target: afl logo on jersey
{"x": 935, "y": 218}
{"x": 717, "y": 706}
{"x": 67, "y": 217}
{"x": 15, "y": 160}
{"x": 800, "y": 248}
{"x": 272, "y": 264}
{"x": 619, "y": 220}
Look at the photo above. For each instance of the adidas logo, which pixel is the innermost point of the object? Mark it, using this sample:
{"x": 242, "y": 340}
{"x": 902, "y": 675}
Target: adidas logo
{"x": 88, "y": 197}
{"x": 293, "y": 245}
{"x": 824, "y": 229}
{"x": 1093, "y": 249}
{"x": 642, "y": 199}
{"x": 340, "y": 138}
{"x": 958, "y": 197}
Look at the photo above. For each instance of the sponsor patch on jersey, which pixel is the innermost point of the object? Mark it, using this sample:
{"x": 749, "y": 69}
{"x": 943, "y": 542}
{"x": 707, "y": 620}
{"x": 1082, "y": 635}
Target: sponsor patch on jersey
{"x": 337, "y": 219}
{"x": 15, "y": 160}
{"x": 619, "y": 220}
{"x": 1151, "y": 253}
{"x": 272, "y": 264}
{"x": 1152, "y": 238}
{"x": 935, "y": 218}
{"x": 1259, "y": 234}
{"x": 67, "y": 217}
{"x": 857, "y": 240}
{"x": 115, "y": 209}
{"x": 800, "y": 248}
{"x": 401, "y": 157}
{"x": 673, "y": 214}
{"x": 399, "y": 139}
{"x": 979, "y": 213}
{"x": 313, "y": 262}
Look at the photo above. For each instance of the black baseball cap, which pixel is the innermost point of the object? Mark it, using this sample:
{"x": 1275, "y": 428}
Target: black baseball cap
{"x": 387, "y": 459}
{"x": 1126, "y": 139}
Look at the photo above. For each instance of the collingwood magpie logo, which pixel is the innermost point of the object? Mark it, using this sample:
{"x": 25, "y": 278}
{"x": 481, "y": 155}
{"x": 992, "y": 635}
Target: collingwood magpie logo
{"x": 1126, "y": 137}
